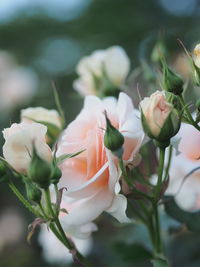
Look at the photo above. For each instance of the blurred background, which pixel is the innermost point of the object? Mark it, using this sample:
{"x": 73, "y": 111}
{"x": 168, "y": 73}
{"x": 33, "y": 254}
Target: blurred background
{"x": 42, "y": 41}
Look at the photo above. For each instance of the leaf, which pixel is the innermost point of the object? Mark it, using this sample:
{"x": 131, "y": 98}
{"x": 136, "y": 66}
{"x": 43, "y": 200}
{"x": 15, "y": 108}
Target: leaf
{"x": 159, "y": 263}
{"x": 133, "y": 252}
{"x": 58, "y": 104}
{"x": 68, "y": 156}
{"x": 32, "y": 227}
{"x": 190, "y": 219}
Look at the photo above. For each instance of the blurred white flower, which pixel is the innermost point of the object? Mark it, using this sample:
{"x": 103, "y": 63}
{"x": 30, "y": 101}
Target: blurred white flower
{"x": 55, "y": 252}
{"x": 17, "y": 84}
{"x": 41, "y": 114}
{"x": 187, "y": 193}
{"x": 112, "y": 64}
{"x": 11, "y": 227}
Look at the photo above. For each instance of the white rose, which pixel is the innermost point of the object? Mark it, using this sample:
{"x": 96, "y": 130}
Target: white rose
{"x": 113, "y": 61}
{"x": 19, "y": 141}
{"x": 41, "y": 114}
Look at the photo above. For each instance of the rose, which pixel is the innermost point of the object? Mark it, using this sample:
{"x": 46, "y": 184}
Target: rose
{"x": 111, "y": 64}
{"x": 186, "y": 192}
{"x": 160, "y": 119}
{"x": 92, "y": 177}
{"x": 41, "y": 114}
{"x": 19, "y": 141}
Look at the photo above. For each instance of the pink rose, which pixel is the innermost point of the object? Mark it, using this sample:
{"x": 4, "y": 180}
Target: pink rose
{"x": 188, "y": 196}
{"x": 156, "y": 110}
{"x": 92, "y": 177}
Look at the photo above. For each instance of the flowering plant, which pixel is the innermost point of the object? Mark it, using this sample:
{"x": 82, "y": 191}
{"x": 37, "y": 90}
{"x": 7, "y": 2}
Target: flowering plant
{"x": 72, "y": 174}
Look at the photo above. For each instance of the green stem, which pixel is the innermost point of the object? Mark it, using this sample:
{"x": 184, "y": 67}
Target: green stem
{"x": 22, "y": 199}
{"x": 160, "y": 174}
{"x": 77, "y": 257}
{"x": 124, "y": 172}
{"x": 168, "y": 162}
{"x": 158, "y": 247}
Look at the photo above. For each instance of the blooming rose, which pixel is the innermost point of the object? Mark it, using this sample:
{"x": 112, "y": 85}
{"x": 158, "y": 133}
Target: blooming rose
{"x": 187, "y": 193}
{"x": 112, "y": 61}
{"x": 19, "y": 141}
{"x": 156, "y": 110}
{"x": 92, "y": 177}
{"x": 41, "y": 114}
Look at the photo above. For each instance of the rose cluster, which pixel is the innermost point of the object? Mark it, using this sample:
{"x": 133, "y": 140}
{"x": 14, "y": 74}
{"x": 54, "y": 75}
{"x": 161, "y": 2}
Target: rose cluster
{"x": 72, "y": 174}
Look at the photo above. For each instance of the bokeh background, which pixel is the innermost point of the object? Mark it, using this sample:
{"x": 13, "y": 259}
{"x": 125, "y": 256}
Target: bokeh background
{"x": 42, "y": 41}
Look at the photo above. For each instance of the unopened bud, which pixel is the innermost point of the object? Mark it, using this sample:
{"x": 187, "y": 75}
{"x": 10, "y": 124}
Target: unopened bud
{"x": 113, "y": 139}
{"x": 33, "y": 192}
{"x": 56, "y": 175}
{"x": 172, "y": 82}
{"x": 160, "y": 119}
{"x": 39, "y": 170}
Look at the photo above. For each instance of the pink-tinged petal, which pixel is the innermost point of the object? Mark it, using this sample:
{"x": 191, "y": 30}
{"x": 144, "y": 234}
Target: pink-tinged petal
{"x": 118, "y": 209}
{"x": 90, "y": 186}
{"x": 86, "y": 210}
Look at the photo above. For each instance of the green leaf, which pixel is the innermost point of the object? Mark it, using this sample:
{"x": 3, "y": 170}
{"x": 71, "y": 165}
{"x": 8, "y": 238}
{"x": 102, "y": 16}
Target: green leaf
{"x": 133, "y": 252}
{"x": 159, "y": 263}
{"x": 58, "y": 104}
{"x": 190, "y": 219}
{"x": 67, "y": 156}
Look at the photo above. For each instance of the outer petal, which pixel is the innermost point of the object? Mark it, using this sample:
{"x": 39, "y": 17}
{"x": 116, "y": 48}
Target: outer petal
{"x": 86, "y": 210}
{"x": 118, "y": 209}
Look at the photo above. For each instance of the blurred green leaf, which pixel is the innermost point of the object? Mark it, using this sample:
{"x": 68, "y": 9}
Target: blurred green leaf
{"x": 133, "y": 252}
{"x": 190, "y": 219}
{"x": 159, "y": 263}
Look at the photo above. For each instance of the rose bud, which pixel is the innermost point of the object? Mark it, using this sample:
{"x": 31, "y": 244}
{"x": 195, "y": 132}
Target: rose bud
{"x": 33, "y": 192}
{"x": 39, "y": 170}
{"x": 113, "y": 139}
{"x": 160, "y": 119}
{"x": 55, "y": 175}
{"x": 171, "y": 81}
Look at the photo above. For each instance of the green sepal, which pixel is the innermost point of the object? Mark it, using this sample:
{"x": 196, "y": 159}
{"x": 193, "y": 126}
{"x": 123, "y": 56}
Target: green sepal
{"x": 113, "y": 139}
{"x": 172, "y": 82}
{"x": 39, "y": 170}
{"x": 32, "y": 191}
